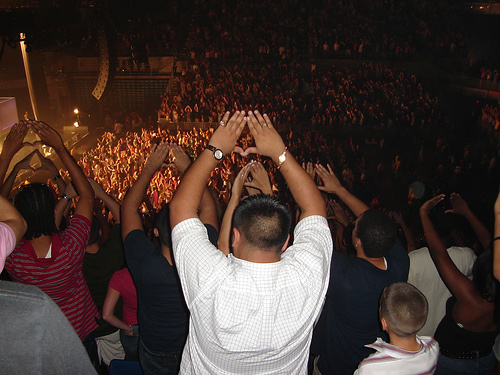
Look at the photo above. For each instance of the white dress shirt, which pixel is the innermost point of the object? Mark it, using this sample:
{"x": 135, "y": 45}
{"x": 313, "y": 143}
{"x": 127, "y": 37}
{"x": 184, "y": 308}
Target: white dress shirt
{"x": 251, "y": 318}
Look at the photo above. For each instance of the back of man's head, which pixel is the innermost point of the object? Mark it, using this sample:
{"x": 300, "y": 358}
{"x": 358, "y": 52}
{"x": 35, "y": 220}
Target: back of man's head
{"x": 404, "y": 307}
{"x": 162, "y": 224}
{"x": 377, "y": 233}
{"x": 263, "y": 222}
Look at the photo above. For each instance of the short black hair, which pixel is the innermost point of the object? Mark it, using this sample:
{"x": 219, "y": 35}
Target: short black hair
{"x": 36, "y": 203}
{"x": 377, "y": 233}
{"x": 162, "y": 223}
{"x": 404, "y": 307}
{"x": 263, "y": 222}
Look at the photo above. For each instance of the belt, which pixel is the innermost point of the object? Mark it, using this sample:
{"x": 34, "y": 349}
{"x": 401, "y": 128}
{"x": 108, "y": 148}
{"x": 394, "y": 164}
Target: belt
{"x": 473, "y": 354}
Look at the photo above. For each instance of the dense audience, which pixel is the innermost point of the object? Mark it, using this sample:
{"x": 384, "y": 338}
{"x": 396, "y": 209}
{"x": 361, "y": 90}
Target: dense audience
{"x": 386, "y": 174}
{"x": 371, "y": 96}
{"x": 291, "y": 29}
{"x": 490, "y": 118}
{"x": 235, "y": 29}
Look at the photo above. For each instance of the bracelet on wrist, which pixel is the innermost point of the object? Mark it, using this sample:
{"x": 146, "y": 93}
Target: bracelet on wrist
{"x": 64, "y": 196}
{"x": 282, "y": 158}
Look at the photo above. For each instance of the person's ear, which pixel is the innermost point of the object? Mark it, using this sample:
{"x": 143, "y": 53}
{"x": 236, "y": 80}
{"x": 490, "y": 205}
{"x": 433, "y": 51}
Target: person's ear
{"x": 285, "y": 245}
{"x": 385, "y": 326}
{"x": 236, "y": 238}
{"x": 156, "y": 233}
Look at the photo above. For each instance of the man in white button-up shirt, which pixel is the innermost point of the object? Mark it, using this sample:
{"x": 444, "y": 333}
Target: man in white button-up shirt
{"x": 253, "y": 311}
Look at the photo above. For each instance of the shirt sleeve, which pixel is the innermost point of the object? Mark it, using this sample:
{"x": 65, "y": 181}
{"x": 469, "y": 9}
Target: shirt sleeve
{"x": 137, "y": 248}
{"x": 196, "y": 258}
{"x": 312, "y": 246}
{"x": 7, "y": 243}
{"x": 76, "y": 235}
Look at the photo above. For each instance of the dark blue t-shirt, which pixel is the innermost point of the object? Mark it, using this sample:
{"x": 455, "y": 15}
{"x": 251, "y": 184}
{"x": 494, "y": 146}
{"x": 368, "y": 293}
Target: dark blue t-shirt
{"x": 349, "y": 320}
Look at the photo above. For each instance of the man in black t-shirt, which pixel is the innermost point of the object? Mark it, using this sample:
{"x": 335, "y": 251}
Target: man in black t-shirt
{"x": 162, "y": 313}
{"x": 349, "y": 320}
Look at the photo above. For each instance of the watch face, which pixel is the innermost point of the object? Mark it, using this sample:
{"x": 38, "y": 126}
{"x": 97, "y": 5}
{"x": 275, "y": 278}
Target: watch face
{"x": 218, "y": 154}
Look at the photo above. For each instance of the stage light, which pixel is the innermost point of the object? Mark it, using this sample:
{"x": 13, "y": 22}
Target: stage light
{"x": 76, "y": 111}
{"x": 76, "y": 124}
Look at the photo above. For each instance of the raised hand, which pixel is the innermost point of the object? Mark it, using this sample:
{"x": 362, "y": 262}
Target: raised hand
{"x": 260, "y": 178}
{"x": 458, "y": 205}
{"x": 431, "y": 203}
{"x": 397, "y": 217}
{"x": 15, "y": 138}
{"x": 157, "y": 157}
{"x": 268, "y": 142}
{"x": 339, "y": 213}
{"x": 180, "y": 159}
{"x": 239, "y": 181}
{"x": 49, "y": 136}
{"x": 47, "y": 164}
{"x": 98, "y": 190}
{"x": 25, "y": 162}
{"x": 228, "y": 132}
{"x": 331, "y": 183}
{"x": 309, "y": 168}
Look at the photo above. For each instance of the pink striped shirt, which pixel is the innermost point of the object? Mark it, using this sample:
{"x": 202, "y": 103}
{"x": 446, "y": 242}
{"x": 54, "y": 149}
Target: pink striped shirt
{"x": 60, "y": 276}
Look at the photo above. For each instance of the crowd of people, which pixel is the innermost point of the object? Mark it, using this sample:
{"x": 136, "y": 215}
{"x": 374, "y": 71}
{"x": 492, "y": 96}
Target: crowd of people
{"x": 292, "y": 29}
{"x": 369, "y": 96}
{"x": 142, "y": 170}
{"x": 490, "y": 118}
{"x": 326, "y": 29}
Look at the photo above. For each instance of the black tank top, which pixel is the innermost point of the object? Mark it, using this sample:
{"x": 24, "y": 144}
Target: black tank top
{"x": 452, "y": 338}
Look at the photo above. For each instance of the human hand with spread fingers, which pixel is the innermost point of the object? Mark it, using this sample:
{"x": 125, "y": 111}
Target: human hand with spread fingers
{"x": 223, "y": 141}
{"x": 268, "y": 142}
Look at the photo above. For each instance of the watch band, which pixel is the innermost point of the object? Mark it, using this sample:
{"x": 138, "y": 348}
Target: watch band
{"x": 217, "y": 153}
{"x": 64, "y": 196}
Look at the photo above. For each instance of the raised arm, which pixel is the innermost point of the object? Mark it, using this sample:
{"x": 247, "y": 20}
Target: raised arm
{"x": 459, "y": 285}
{"x": 496, "y": 240}
{"x": 12, "y": 144}
{"x": 460, "y": 207}
{"x": 187, "y": 198}
{"x": 63, "y": 205}
{"x": 398, "y": 218}
{"x": 225, "y": 227}
{"x": 259, "y": 183}
{"x": 268, "y": 142}
{"x": 130, "y": 217}
{"x": 108, "y": 201}
{"x": 50, "y": 137}
{"x": 49, "y": 166}
{"x": 331, "y": 184}
{"x": 23, "y": 164}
